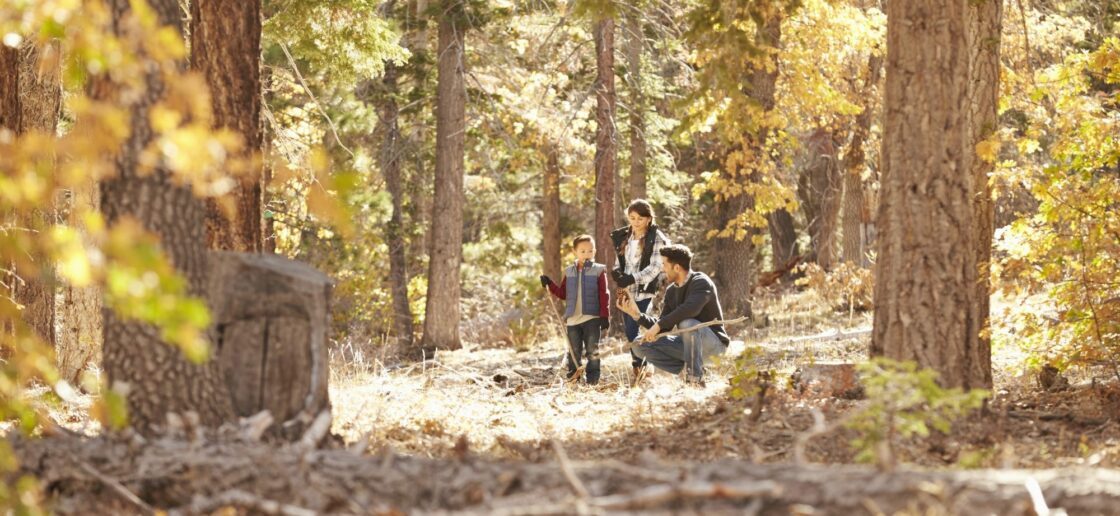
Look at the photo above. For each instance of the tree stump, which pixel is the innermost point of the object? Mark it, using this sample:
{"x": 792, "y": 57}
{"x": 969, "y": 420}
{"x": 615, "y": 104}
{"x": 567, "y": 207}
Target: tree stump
{"x": 828, "y": 380}
{"x": 270, "y": 335}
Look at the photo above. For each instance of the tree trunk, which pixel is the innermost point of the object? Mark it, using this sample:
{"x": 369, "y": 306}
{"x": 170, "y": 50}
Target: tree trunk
{"x": 637, "y": 105}
{"x": 855, "y": 159}
{"x": 926, "y": 306}
{"x": 441, "y": 321}
{"x": 605, "y": 141}
{"x": 984, "y": 39}
{"x": 160, "y": 379}
{"x": 394, "y": 232}
{"x": 226, "y": 49}
{"x": 550, "y": 214}
{"x": 783, "y": 237}
{"x": 735, "y": 259}
{"x": 819, "y": 187}
{"x": 38, "y": 89}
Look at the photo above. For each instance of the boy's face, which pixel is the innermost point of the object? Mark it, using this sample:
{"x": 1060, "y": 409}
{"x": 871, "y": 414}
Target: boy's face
{"x": 584, "y": 251}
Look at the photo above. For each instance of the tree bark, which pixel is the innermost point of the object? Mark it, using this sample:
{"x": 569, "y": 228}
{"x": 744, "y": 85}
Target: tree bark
{"x": 855, "y": 159}
{"x": 80, "y": 329}
{"x": 160, "y": 379}
{"x": 819, "y": 187}
{"x": 783, "y": 237}
{"x": 605, "y": 141}
{"x": 441, "y": 321}
{"x": 30, "y": 98}
{"x": 550, "y": 214}
{"x": 926, "y": 306}
{"x": 394, "y": 233}
{"x": 634, "y": 44}
{"x": 984, "y": 39}
{"x": 226, "y": 49}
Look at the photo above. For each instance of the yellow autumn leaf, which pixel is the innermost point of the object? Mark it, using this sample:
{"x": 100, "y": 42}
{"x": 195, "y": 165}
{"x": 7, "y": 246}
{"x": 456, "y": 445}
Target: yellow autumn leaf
{"x": 988, "y": 150}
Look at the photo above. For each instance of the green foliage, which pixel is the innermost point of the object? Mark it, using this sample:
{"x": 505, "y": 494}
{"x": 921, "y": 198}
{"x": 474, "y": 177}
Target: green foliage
{"x": 903, "y": 402}
{"x": 1068, "y": 157}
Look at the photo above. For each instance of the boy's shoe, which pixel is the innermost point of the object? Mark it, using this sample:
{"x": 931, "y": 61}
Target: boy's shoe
{"x": 638, "y": 375}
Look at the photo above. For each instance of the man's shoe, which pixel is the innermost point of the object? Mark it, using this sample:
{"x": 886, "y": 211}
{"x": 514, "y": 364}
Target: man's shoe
{"x": 695, "y": 381}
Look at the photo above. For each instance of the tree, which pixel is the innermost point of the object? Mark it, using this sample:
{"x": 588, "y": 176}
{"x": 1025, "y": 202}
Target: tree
{"x": 30, "y": 98}
{"x": 985, "y": 20}
{"x": 605, "y": 140}
{"x": 226, "y": 49}
{"x": 634, "y": 42}
{"x": 160, "y": 379}
{"x": 926, "y": 302}
{"x": 819, "y": 187}
{"x": 853, "y": 246}
{"x": 550, "y": 213}
{"x": 390, "y": 161}
{"x": 441, "y": 320}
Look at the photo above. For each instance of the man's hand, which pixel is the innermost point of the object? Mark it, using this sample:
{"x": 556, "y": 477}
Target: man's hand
{"x": 629, "y": 306}
{"x": 651, "y": 333}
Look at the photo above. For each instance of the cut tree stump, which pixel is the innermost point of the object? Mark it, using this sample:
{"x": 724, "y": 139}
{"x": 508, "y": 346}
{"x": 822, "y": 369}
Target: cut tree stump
{"x": 828, "y": 380}
{"x": 270, "y": 334}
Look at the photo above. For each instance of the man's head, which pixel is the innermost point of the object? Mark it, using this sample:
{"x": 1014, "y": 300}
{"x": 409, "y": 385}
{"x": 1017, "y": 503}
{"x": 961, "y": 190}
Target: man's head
{"x": 676, "y": 261}
{"x": 584, "y": 248}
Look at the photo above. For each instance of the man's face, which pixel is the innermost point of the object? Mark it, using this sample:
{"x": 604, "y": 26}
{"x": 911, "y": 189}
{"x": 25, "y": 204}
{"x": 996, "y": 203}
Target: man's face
{"x": 584, "y": 251}
{"x": 672, "y": 271}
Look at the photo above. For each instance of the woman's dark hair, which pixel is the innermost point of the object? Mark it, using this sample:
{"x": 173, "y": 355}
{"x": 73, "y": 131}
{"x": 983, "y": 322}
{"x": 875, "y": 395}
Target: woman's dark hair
{"x": 641, "y": 207}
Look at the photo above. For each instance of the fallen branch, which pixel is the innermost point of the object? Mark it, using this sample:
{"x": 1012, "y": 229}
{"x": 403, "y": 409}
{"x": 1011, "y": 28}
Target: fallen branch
{"x": 656, "y": 495}
{"x": 680, "y": 331}
{"x": 117, "y": 487}
{"x": 238, "y": 498}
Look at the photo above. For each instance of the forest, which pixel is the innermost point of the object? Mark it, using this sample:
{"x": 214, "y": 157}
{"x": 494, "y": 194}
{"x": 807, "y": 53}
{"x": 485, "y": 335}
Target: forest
{"x": 560, "y": 257}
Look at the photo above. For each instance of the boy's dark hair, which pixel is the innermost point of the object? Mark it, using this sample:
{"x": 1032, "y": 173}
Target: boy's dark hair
{"x": 583, "y": 238}
{"x": 678, "y": 254}
{"x": 641, "y": 207}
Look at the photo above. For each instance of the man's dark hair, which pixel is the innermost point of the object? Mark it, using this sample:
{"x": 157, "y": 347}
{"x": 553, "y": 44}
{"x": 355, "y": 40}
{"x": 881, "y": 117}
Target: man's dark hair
{"x": 583, "y": 238}
{"x": 641, "y": 207}
{"x": 678, "y": 254}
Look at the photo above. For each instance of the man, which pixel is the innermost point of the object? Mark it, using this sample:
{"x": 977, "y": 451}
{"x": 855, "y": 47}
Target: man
{"x": 691, "y": 299}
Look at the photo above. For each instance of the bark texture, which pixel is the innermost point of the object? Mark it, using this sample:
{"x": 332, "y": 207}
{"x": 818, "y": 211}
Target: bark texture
{"x": 854, "y": 245}
{"x": 550, "y": 214}
{"x": 783, "y": 237}
{"x": 605, "y": 141}
{"x": 226, "y": 49}
{"x": 984, "y": 39}
{"x": 203, "y": 477}
{"x": 634, "y": 42}
{"x": 926, "y": 302}
{"x": 441, "y": 322}
{"x": 819, "y": 187}
{"x": 390, "y": 160}
{"x": 159, "y": 379}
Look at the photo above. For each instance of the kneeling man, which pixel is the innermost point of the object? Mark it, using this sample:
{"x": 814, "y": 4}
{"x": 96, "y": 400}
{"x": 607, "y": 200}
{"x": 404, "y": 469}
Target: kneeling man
{"x": 690, "y": 300}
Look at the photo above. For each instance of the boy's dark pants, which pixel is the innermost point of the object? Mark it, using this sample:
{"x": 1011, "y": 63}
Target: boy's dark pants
{"x": 583, "y": 342}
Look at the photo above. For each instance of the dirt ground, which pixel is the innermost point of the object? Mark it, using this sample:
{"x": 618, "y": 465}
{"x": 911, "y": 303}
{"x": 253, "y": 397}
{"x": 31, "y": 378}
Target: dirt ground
{"x": 504, "y": 404}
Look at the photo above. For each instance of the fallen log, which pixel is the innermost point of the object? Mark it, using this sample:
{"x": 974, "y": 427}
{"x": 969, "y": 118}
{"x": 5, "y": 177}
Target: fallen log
{"x": 209, "y": 474}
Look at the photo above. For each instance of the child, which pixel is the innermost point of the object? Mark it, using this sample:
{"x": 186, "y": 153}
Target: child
{"x": 588, "y": 308}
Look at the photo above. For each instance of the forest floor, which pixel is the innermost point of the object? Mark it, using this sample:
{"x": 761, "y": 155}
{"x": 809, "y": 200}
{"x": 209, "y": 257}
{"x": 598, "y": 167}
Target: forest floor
{"x": 506, "y": 404}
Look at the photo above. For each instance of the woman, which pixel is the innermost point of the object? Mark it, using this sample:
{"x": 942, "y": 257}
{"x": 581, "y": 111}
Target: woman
{"x": 638, "y": 268}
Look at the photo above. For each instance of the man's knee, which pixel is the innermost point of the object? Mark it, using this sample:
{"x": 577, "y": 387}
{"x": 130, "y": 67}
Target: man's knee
{"x": 687, "y": 323}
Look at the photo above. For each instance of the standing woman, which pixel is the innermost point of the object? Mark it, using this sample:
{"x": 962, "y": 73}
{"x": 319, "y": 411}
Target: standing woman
{"x": 638, "y": 268}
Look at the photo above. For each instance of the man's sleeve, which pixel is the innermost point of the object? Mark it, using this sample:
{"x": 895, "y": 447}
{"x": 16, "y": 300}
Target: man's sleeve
{"x": 561, "y": 290}
{"x": 604, "y": 297}
{"x": 699, "y": 293}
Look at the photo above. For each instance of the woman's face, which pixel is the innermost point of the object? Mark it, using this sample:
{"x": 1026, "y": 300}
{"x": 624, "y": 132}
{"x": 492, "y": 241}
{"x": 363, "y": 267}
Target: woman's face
{"x": 637, "y": 222}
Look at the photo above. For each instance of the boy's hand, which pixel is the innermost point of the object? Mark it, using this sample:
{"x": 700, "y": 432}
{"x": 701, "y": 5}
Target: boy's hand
{"x": 545, "y": 281}
{"x": 604, "y": 324}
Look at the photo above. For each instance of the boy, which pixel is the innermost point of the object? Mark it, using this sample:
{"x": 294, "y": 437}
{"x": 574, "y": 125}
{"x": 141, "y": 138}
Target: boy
{"x": 588, "y": 306}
